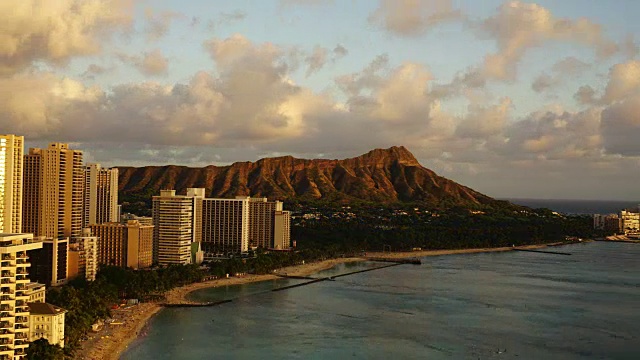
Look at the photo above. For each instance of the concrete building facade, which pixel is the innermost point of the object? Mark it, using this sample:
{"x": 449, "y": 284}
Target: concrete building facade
{"x": 36, "y": 292}
{"x": 100, "y": 201}
{"x": 225, "y": 225}
{"x": 630, "y": 221}
{"x": 125, "y": 245}
{"x": 83, "y": 256}
{"x": 14, "y": 310}
{"x": 49, "y": 264}
{"x": 176, "y": 226}
{"x": 262, "y": 221}
{"x": 46, "y": 321}
{"x": 53, "y": 192}
{"x": 282, "y": 230}
{"x": 11, "y": 170}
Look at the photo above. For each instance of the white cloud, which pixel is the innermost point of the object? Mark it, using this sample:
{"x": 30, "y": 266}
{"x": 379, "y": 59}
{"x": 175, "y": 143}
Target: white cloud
{"x": 413, "y": 17}
{"x": 56, "y": 31}
{"x": 520, "y": 26}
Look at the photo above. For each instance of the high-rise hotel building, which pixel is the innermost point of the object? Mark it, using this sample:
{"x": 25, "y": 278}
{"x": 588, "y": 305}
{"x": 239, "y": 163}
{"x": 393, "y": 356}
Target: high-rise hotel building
{"x": 176, "y": 225}
{"x": 125, "y": 245}
{"x": 100, "y": 195}
{"x": 53, "y": 192}
{"x": 262, "y": 221}
{"x": 225, "y": 225}
{"x": 14, "y": 312}
{"x": 11, "y": 153}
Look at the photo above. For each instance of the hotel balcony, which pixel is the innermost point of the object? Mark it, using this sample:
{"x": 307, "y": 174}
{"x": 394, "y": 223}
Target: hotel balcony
{"x": 22, "y": 279}
{"x": 7, "y": 281}
{"x": 21, "y": 319}
{"x": 6, "y": 351}
{"x": 5, "y": 341}
{"x": 22, "y": 310}
{"x": 6, "y": 274}
{"x": 5, "y": 263}
{"x": 6, "y": 325}
{"x": 21, "y": 327}
{"x": 4, "y": 299}
{"x": 8, "y": 257}
{"x": 5, "y": 316}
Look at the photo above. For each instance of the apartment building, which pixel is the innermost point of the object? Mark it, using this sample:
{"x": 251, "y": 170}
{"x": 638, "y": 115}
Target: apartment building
{"x": 83, "y": 256}
{"x": 11, "y": 160}
{"x": 100, "y": 200}
{"x": 125, "y": 245}
{"x": 14, "y": 311}
{"x": 53, "y": 192}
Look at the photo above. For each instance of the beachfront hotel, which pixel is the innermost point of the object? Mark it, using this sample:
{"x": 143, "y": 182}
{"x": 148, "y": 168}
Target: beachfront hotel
{"x": 11, "y": 154}
{"x": 14, "y": 278}
{"x": 262, "y": 217}
{"x": 53, "y": 192}
{"x": 46, "y": 321}
{"x": 225, "y": 225}
{"x": 176, "y": 226}
{"x": 282, "y": 230}
{"x": 124, "y": 245}
{"x": 100, "y": 201}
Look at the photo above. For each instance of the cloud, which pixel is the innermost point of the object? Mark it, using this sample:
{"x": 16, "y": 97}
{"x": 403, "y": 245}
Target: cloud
{"x": 520, "y": 26}
{"x": 304, "y": 2}
{"x": 94, "y": 70}
{"x": 158, "y": 23}
{"x": 412, "y": 17}
{"x": 623, "y": 82}
{"x": 320, "y": 56}
{"x": 483, "y": 122}
{"x": 56, "y": 31}
{"x": 152, "y": 63}
{"x": 340, "y": 51}
{"x": 316, "y": 60}
{"x": 567, "y": 67}
{"x": 621, "y": 127}
{"x": 554, "y": 135}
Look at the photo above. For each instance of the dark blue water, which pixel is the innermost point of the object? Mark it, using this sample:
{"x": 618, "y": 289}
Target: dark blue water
{"x": 512, "y": 305}
{"x": 578, "y": 206}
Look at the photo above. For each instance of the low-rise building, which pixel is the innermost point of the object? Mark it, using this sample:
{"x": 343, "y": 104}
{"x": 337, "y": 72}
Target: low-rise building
{"x": 46, "y": 321}
{"x": 36, "y": 292}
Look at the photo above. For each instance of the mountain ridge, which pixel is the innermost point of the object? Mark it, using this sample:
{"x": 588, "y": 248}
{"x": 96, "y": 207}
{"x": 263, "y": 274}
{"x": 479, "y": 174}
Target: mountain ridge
{"x": 381, "y": 175}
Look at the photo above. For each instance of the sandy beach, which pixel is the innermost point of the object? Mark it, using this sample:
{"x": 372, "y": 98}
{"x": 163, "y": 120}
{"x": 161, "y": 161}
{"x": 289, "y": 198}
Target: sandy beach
{"x": 113, "y": 340}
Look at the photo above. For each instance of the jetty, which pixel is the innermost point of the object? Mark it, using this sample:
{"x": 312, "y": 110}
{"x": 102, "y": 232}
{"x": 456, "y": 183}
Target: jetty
{"x": 542, "y": 251}
{"x": 185, "y": 304}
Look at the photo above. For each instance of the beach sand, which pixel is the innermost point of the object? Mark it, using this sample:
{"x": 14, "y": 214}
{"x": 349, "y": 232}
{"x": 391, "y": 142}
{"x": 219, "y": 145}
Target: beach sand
{"x": 113, "y": 340}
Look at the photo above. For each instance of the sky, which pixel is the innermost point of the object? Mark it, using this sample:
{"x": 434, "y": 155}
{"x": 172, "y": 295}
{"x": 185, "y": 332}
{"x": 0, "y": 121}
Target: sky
{"x": 514, "y": 99}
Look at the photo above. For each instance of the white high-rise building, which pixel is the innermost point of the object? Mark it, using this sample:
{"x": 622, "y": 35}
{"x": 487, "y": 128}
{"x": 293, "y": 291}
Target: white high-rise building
{"x": 14, "y": 296}
{"x": 175, "y": 227}
{"x": 11, "y": 154}
{"x": 100, "y": 195}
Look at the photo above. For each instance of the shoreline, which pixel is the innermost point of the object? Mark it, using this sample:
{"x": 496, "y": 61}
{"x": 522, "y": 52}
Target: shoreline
{"x": 123, "y": 338}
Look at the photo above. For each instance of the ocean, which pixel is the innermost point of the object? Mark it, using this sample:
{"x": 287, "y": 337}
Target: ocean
{"x": 512, "y": 305}
{"x": 578, "y": 206}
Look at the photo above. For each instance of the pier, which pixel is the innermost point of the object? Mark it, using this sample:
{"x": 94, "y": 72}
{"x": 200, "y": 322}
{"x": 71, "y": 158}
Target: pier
{"x": 542, "y": 251}
{"x": 186, "y": 304}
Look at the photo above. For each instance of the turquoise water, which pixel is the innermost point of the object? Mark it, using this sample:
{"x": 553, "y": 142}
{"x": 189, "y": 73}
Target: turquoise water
{"x": 512, "y": 305}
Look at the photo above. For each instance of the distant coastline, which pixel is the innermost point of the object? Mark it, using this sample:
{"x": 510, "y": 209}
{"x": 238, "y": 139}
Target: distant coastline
{"x": 577, "y": 207}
